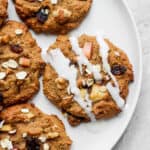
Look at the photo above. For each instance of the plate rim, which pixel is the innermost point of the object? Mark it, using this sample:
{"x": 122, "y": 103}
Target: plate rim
{"x": 139, "y": 45}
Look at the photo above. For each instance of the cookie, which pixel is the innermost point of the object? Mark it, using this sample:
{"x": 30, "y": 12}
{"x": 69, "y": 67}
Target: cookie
{"x": 87, "y": 78}
{"x": 25, "y": 127}
{"x": 3, "y": 12}
{"x": 20, "y": 64}
{"x": 54, "y": 16}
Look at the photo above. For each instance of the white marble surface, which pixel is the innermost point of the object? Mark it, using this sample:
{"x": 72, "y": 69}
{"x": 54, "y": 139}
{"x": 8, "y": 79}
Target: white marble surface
{"x": 137, "y": 135}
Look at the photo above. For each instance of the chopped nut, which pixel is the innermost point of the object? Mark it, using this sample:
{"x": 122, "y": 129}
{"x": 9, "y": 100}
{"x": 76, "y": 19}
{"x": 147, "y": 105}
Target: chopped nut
{"x": 46, "y": 146}
{"x": 2, "y": 75}
{"x": 98, "y": 93}
{"x": 52, "y": 135}
{"x": 30, "y": 115}
{"x": 88, "y": 71}
{"x": 60, "y": 80}
{"x": 21, "y": 75}
{"x": 89, "y": 82}
{"x": 6, "y": 128}
{"x": 24, "y": 62}
{"x": 60, "y": 83}
{"x": 80, "y": 82}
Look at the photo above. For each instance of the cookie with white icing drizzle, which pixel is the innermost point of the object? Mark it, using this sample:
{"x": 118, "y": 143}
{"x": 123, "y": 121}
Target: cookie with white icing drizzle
{"x": 87, "y": 78}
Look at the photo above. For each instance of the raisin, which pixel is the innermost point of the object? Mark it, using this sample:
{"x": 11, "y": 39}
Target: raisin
{"x": 42, "y": 15}
{"x": 32, "y": 143}
{"x": 16, "y": 48}
{"x": 118, "y": 69}
{"x": 1, "y": 98}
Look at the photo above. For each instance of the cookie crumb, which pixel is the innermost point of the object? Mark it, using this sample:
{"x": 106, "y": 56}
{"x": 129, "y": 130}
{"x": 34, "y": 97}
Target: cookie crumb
{"x": 2, "y": 75}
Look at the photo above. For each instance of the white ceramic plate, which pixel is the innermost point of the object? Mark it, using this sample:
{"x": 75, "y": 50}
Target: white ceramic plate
{"x": 114, "y": 17}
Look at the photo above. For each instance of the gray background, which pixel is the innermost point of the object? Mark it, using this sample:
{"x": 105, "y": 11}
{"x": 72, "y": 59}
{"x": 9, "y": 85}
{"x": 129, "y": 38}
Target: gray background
{"x": 137, "y": 136}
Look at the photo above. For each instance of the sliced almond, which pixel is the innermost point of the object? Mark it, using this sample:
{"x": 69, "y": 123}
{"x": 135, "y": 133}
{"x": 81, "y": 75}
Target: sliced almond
{"x": 52, "y": 135}
{"x": 18, "y": 31}
{"x": 6, "y": 128}
{"x": 12, "y": 131}
{"x": 10, "y": 64}
{"x": 21, "y": 75}
{"x": 2, "y": 75}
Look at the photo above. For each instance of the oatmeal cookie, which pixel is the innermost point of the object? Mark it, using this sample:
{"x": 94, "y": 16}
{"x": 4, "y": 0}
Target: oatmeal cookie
{"x": 3, "y": 11}
{"x": 87, "y": 78}
{"x": 25, "y": 127}
{"x": 20, "y": 64}
{"x": 55, "y": 16}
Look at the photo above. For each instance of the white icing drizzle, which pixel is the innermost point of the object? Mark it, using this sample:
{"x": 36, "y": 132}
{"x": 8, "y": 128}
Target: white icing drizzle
{"x": 82, "y": 60}
{"x": 62, "y": 66}
{"x": 114, "y": 91}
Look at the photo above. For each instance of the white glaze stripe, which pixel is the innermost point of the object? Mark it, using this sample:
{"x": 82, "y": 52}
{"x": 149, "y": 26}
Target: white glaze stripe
{"x": 114, "y": 91}
{"x": 62, "y": 66}
{"x": 82, "y": 60}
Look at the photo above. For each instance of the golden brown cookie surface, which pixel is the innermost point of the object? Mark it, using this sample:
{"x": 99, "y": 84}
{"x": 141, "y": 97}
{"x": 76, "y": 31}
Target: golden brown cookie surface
{"x": 103, "y": 102}
{"x": 55, "y": 16}
{"x": 3, "y": 11}
{"x": 25, "y": 127}
{"x": 20, "y": 64}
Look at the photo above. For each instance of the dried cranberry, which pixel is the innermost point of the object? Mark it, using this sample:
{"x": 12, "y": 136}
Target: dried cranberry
{"x": 118, "y": 69}
{"x": 32, "y": 143}
{"x": 42, "y": 15}
{"x": 1, "y": 98}
{"x": 16, "y": 48}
